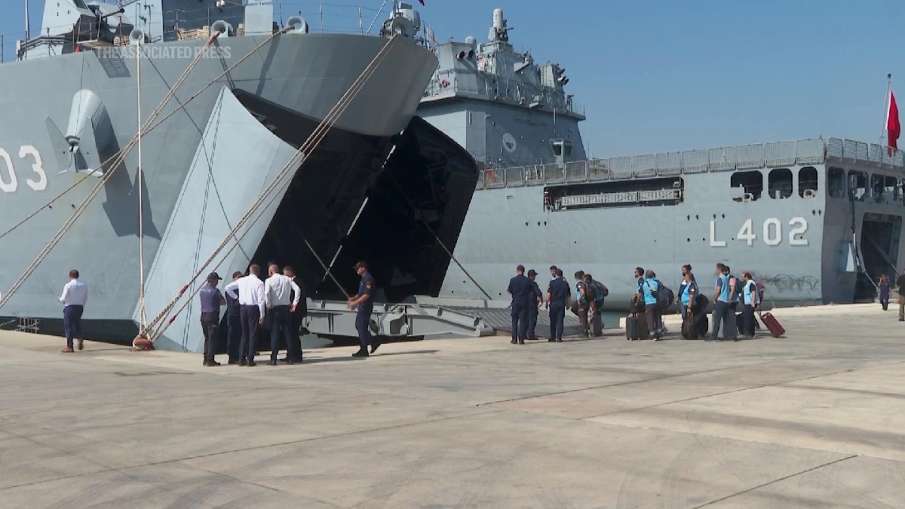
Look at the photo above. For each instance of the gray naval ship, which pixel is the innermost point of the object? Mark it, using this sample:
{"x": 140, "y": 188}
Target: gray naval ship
{"x": 816, "y": 220}
{"x": 71, "y": 101}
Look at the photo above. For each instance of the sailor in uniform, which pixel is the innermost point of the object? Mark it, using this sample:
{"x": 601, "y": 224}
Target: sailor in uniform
{"x": 557, "y": 297}
{"x": 520, "y": 289}
{"x": 363, "y": 302}
{"x": 211, "y": 301}
{"x": 537, "y": 298}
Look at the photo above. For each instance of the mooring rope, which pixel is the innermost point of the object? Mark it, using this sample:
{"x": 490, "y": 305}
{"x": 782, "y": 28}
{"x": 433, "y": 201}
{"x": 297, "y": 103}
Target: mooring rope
{"x": 296, "y": 161}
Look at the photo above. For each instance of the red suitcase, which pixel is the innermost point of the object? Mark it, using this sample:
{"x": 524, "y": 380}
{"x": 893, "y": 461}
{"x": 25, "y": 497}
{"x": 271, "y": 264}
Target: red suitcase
{"x": 776, "y": 330}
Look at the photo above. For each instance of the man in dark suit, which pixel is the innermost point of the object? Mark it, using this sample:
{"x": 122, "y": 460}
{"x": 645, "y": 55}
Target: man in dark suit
{"x": 520, "y": 289}
{"x": 558, "y": 294}
{"x": 537, "y": 298}
{"x": 233, "y": 323}
{"x": 296, "y": 316}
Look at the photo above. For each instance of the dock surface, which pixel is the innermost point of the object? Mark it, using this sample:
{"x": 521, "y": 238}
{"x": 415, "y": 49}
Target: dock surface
{"x": 816, "y": 419}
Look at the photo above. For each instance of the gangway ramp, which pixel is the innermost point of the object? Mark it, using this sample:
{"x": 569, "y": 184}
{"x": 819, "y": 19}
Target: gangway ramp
{"x": 396, "y": 320}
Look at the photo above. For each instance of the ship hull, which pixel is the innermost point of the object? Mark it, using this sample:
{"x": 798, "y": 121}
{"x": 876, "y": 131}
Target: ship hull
{"x": 305, "y": 74}
{"x": 806, "y": 250}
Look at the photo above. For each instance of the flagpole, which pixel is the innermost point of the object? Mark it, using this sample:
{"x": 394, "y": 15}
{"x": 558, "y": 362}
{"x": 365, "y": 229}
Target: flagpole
{"x": 883, "y": 133}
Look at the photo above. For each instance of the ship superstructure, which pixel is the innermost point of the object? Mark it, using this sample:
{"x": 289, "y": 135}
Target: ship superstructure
{"x": 816, "y": 220}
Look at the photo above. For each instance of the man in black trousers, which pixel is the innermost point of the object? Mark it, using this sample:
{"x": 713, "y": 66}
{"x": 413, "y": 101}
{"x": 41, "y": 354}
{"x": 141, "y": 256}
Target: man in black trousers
{"x": 251, "y": 311}
{"x": 537, "y": 298}
{"x": 279, "y": 290}
{"x": 520, "y": 289}
{"x": 296, "y": 315}
{"x": 233, "y": 323}
{"x": 557, "y": 298}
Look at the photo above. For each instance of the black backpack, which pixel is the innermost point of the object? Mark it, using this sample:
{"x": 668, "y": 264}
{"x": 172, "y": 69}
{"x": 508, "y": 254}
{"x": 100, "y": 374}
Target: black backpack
{"x": 665, "y": 297}
{"x": 600, "y": 292}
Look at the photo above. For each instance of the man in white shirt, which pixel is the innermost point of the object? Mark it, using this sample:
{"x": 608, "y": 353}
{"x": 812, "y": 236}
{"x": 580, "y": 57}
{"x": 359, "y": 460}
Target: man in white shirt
{"x": 250, "y": 290}
{"x": 277, "y": 291}
{"x": 74, "y": 298}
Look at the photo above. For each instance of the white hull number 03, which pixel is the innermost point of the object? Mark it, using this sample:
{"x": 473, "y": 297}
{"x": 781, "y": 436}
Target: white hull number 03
{"x": 771, "y": 233}
{"x": 37, "y": 179}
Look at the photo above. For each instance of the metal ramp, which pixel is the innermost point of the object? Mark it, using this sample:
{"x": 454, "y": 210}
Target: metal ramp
{"x": 408, "y": 320}
{"x": 425, "y": 317}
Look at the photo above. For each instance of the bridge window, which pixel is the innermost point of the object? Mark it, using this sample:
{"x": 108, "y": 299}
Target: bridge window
{"x": 780, "y": 183}
{"x": 836, "y": 182}
{"x": 562, "y": 148}
{"x": 857, "y": 185}
{"x": 807, "y": 182}
{"x": 747, "y": 185}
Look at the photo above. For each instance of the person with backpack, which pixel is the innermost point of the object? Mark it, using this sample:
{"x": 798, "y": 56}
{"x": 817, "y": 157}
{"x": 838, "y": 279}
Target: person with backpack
{"x": 597, "y": 292}
{"x": 750, "y": 302}
{"x": 688, "y": 293}
{"x": 650, "y": 288}
{"x": 582, "y": 304}
{"x": 683, "y": 287}
{"x": 724, "y": 293}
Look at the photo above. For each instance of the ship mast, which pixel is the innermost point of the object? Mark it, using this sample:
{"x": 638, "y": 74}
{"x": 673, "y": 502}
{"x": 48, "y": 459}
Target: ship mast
{"x": 27, "y": 31}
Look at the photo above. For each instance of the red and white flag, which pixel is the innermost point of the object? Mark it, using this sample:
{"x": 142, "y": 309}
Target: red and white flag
{"x": 893, "y": 129}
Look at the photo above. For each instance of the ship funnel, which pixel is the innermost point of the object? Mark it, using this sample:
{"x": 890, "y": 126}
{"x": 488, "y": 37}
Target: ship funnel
{"x": 222, "y": 27}
{"x": 136, "y": 36}
{"x": 298, "y": 25}
{"x": 85, "y": 105}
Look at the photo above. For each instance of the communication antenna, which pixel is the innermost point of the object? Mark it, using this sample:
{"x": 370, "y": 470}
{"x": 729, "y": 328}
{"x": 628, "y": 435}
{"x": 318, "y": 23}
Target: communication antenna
{"x": 27, "y": 31}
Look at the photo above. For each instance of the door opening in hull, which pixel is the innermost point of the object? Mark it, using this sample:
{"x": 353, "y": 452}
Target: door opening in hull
{"x": 879, "y": 253}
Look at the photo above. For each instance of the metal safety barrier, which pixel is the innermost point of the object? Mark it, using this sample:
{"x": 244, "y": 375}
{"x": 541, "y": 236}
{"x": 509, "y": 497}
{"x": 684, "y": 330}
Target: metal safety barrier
{"x": 731, "y": 158}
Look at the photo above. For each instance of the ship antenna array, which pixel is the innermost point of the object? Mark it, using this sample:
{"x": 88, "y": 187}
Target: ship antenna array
{"x": 296, "y": 161}
{"x": 117, "y": 159}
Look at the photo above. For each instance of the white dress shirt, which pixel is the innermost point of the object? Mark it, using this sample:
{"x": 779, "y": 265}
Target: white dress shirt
{"x": 251, "y": 291}
{"x": 75, "y": 293}
{"x": 276, "y": 291}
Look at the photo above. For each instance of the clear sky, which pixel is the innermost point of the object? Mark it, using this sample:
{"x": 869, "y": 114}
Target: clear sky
{"x": 669, "y": 75}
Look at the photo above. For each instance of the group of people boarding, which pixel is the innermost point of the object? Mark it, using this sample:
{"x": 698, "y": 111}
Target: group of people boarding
{"x": 527, "y": 298}
{"x": 733, "y": 301}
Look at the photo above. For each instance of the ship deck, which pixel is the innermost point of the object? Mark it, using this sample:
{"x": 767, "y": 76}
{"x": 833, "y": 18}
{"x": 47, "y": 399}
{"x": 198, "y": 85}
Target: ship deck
{"x": 815, "y": 419}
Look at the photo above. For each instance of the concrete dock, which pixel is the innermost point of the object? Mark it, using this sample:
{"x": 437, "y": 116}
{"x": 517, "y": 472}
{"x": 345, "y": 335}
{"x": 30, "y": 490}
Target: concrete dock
{"x": 816, "y": 419}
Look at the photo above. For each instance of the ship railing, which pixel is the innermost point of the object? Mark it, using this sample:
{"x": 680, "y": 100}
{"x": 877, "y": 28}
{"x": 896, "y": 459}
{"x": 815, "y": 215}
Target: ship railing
{"x": 740, "y": 157}
{"x": 194, "y": 22}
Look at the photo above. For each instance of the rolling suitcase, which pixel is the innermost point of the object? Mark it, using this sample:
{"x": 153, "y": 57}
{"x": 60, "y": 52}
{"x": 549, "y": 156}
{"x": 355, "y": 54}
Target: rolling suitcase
{"x": 635, "y": 327}
{"x": 773, "y": 325}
